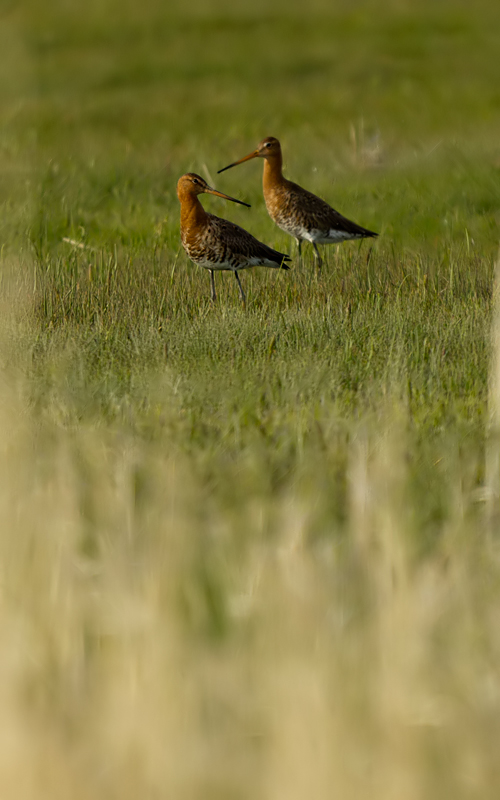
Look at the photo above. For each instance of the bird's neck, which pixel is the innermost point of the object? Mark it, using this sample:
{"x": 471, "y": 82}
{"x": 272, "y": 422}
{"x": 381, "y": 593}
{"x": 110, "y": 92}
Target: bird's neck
{"x": 273, "y": 175}
{"x": 193, "y": 214}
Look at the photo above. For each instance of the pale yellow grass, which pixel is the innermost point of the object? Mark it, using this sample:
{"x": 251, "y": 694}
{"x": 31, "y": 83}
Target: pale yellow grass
{"x": 348, "y": 669}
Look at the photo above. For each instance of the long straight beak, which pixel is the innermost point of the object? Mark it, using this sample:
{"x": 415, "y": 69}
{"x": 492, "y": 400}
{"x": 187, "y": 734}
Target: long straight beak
{"x": 234, "y": 164}
{"x": 226, "y": 197}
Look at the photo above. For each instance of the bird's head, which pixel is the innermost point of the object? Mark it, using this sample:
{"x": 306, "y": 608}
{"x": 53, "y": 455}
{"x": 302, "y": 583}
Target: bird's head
{"x": 268, "y": 148}
{"x": 191, "y": 184}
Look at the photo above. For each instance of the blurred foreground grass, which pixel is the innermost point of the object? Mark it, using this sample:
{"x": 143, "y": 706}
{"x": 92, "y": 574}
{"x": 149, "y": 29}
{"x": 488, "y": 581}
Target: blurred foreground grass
{"x": 249, "y": 553}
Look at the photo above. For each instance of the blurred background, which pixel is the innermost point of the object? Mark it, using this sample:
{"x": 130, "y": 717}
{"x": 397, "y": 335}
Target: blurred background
{"x": 118, "y": 100}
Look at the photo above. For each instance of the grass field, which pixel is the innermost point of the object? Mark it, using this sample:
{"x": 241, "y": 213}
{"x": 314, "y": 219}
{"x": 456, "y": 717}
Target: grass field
{"x": 249, "y": 552}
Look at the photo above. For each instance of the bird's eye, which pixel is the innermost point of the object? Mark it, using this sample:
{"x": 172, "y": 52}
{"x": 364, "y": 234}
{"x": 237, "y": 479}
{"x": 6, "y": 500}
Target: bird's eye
{"x": 268, "y": 144}
{"x": 195, "y": 180}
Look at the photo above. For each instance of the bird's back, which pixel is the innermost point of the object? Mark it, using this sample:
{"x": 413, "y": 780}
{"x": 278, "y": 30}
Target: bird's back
{"x": 224, "y": 245}
{"x": 304, "y": 215}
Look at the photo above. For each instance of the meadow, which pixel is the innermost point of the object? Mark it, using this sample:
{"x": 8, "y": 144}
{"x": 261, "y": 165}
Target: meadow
{"x": 249, "y": 552}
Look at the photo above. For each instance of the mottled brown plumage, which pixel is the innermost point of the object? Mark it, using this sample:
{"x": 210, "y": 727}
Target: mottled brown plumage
{"x": 216, "y": 243}
{"x": 297, "y": 211}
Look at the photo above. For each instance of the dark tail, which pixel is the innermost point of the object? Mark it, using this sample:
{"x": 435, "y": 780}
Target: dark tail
{"x": 280, "y": 259}
{"x": 365, "y": 233}
{"x": 356, "y": 231}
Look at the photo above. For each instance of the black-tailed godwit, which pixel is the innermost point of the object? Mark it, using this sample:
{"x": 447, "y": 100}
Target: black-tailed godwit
{"x": 297, "y": 211}
{"x": 216, "y": 243}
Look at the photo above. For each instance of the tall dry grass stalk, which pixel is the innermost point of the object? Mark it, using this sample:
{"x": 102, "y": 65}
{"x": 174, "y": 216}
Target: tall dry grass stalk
{"x": 492, "y": 488}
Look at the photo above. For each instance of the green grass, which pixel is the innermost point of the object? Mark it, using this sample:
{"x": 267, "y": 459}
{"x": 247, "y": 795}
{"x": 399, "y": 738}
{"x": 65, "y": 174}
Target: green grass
{"x": 249, "y": 552}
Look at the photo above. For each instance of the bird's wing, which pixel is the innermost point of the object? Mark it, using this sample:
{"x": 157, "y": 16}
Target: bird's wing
{"x": 241, "y": 244}
{"x": 311, "y": 211}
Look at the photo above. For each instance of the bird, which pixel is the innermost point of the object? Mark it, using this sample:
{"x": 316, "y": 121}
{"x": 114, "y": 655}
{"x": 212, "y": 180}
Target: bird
{"x": 295, "y": 210}
{"x": 216, "y": 243}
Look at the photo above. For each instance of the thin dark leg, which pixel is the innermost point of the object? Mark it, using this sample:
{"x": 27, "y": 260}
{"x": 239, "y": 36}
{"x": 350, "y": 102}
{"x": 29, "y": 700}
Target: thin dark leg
{"x": 319, "y": 260}
{"x": 242, "y": 293}
{"x": 212, "y": 286}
